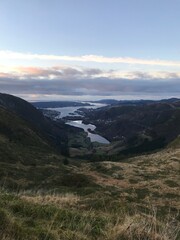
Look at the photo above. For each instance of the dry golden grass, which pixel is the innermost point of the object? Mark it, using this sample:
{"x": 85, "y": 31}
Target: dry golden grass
{"x": 153, "y": 177}
{"x": 143, "y": 227}
{"x": 71, "y": 217}
{"x": 60, "y": 200}
{"x": 138, "y": 200}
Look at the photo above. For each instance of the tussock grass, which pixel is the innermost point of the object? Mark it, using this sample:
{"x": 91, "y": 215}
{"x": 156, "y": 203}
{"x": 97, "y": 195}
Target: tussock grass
{"x": 87, "y": 201}
{"x": 61, "y": 200}
{"x": 26, "y": 216}
{"x": 140, "y": 227}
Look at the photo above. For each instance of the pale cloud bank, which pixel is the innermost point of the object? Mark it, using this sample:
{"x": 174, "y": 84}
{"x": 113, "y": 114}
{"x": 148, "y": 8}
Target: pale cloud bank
{"x": 80, "y": 81}
{"x": 10, "y": 55}
{"x": 67, "y": 72}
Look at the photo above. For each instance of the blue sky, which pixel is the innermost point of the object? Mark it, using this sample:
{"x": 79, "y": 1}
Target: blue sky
{"x": 133, "y": 45}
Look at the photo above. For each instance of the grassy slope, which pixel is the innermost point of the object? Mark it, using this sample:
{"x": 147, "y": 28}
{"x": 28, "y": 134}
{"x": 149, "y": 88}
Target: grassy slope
{"x": 21, "y": 150}
{"x": 29, "y": 217}
{"x": 28, "y": 162}
{"x": 134, "y": 199}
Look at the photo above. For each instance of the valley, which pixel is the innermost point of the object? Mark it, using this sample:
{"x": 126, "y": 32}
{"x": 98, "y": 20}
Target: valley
{"x": 73, "y": 116}
{"x": 125, "y": 127}
{"x": 57, "y": 184}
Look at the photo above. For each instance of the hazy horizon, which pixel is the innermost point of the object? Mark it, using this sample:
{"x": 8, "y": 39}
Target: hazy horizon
{"x": 118, "y": 98}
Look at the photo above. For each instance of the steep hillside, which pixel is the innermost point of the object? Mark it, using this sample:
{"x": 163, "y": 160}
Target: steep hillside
{"x": 23, "y": 109}
{"x": 54, "y": 132}
{"x": 28, "y": 161}
{"x": 31, "y": 147}
{"x": 16, "y": 132}
{"x": 137, "y": 129}
{"x": 57, "y": 133}
{"x": 21, "y": 150}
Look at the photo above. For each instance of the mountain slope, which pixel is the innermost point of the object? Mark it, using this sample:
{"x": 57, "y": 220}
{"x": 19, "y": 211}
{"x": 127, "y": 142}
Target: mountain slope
{"x": 30, "y": 147}
{"x": 16, "y": 133}
{"x": 54, "y": 132}
{"x": 28, "y": 161}
{"x": 137, "y": 129}
{"x": 21, "y": 151}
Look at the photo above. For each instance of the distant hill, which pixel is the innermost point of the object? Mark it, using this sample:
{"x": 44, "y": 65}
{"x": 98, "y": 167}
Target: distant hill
{"x": 58, "y": 104}
{"x": 107, "y": 101}
{"x": 135, "y": 102}
{"x": 139, "y": 128}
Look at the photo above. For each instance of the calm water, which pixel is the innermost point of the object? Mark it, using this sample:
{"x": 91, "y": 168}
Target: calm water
{"x": 68, "y": 111}
{"x": 93, "y": 137}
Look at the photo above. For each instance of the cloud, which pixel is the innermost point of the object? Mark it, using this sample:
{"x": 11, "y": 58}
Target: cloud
{"x": 73, "y": 81}
{"x": 97, "y": 86}
{"x": 66, "y": 72}
{"x": 56, "y": 72}
{"x": 10, "y": 55}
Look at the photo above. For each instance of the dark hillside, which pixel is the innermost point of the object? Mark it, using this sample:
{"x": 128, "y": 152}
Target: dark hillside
{"x": 54, "y": 132}
{"x": 138, "y": 128}
{"x": 28, "y": 161}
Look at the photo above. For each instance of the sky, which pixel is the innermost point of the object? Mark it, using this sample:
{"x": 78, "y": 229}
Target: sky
{"x": 87, "y": 50}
